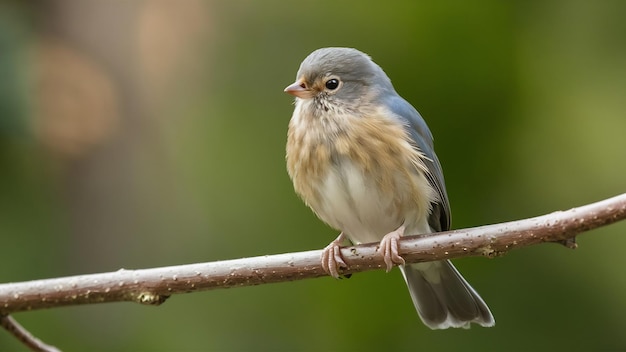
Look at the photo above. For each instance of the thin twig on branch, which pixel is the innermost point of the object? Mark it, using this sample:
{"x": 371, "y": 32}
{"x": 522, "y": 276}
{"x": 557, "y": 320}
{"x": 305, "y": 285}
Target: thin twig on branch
{"x": 154, "y": 286}
{"x": 24, "y": 336}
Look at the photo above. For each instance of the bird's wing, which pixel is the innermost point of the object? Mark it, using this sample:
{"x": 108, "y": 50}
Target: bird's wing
{"x": 439, "y": 219}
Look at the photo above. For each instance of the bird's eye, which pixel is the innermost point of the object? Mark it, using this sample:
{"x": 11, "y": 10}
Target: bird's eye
{"x": 332, "y": 84}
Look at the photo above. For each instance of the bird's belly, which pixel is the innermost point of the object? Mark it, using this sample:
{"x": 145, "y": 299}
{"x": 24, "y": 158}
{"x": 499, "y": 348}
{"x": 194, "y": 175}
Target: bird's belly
{"x": 353, "y": 201}
{"x": 359, "y": 174}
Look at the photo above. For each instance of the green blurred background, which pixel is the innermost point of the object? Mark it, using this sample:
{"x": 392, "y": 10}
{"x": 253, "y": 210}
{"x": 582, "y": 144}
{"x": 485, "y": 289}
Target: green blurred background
{"x": 138, "y": 134}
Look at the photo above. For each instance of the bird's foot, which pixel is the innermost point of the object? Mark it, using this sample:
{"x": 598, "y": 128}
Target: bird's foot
{"x": 389, "y": 248}
{"x": 332, "y": 261}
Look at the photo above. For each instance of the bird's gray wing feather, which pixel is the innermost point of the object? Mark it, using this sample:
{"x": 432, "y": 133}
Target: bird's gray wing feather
{"x": 439, "y": 219}
{"x": 441, "y": 296}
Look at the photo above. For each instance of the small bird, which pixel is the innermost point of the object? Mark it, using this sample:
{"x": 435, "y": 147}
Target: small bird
{"x": 362, "y": 158}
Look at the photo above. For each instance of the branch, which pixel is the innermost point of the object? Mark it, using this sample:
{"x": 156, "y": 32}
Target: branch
{"x": 154, "y": 286}
{"x": 24, "y": 336}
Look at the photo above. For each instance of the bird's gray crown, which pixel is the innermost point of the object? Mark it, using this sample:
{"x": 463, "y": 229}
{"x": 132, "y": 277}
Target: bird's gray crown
{"x": 347, "y": 63}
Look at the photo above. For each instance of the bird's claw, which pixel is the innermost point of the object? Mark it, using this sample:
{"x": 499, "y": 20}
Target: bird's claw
{"x": 332, "y": 261}
{"x": 389, "y": 248}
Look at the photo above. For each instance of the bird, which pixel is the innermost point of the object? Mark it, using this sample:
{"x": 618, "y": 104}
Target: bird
{"x": 362, "y": 158}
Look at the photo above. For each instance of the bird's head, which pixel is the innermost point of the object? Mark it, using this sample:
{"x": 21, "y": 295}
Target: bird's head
{"x": 339, "y": 80}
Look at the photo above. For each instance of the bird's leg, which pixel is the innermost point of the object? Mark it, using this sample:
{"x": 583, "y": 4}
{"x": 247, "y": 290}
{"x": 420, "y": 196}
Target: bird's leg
{"x": 331, "y": 257}
{"x": 389, "y": 248}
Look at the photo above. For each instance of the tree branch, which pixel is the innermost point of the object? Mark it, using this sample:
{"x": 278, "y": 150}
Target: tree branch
{"x": 24, "y": 336}
{"x": 154, "y": 286}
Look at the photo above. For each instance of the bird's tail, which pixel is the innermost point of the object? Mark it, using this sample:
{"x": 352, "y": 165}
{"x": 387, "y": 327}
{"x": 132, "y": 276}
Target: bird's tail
{"x": 443, "y": 298}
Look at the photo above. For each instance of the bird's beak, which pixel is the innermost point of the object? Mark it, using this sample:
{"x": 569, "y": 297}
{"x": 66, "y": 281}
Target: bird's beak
{"x": 299, "y": 89}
